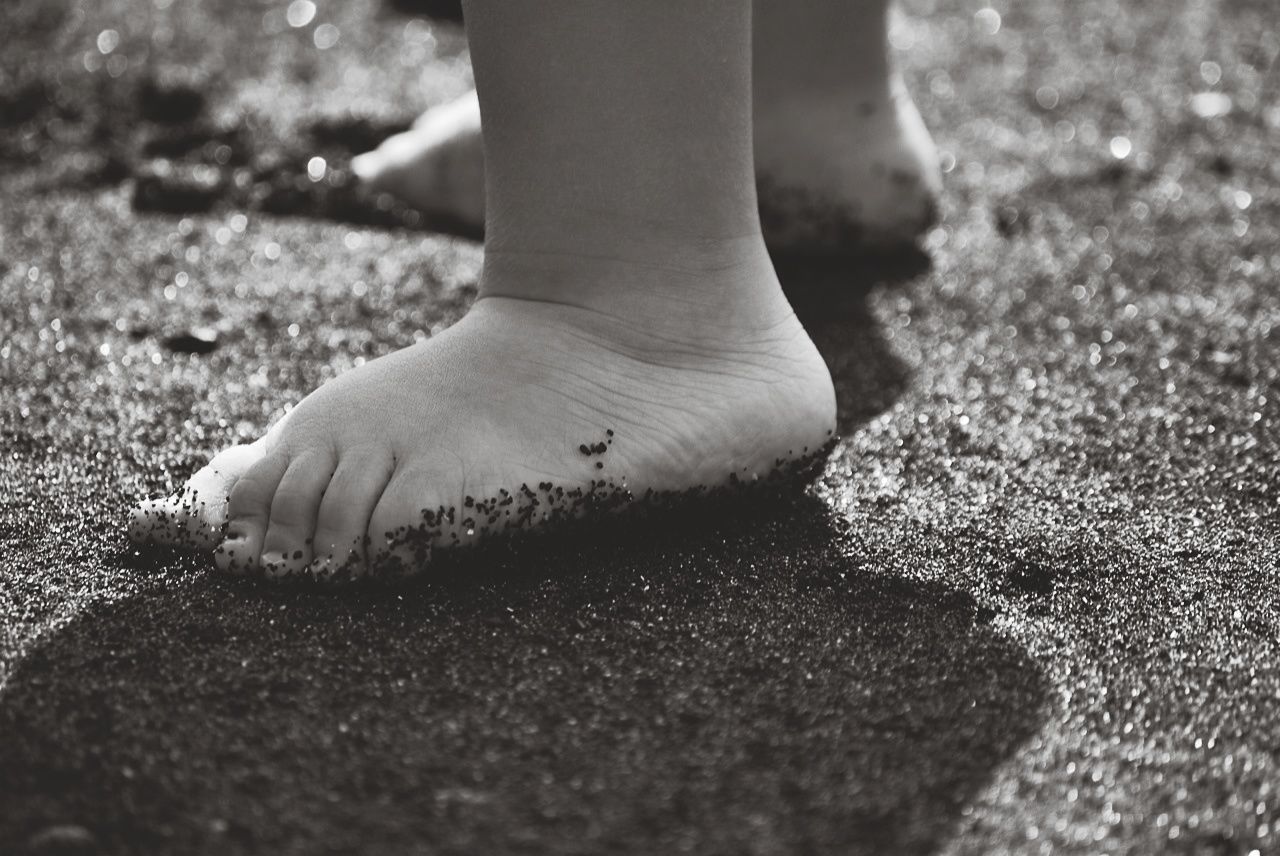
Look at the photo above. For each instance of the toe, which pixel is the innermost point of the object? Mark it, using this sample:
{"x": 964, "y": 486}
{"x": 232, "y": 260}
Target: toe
{"x": 194, "y": 516}
{"x": 286, "y": 548}
{"x": 343, "y": 518}
{"x": 408, "y": 156}
{"x": 405, "y": 526}
{"x": 248, "y": 514}
{"x": 369, "y": 167}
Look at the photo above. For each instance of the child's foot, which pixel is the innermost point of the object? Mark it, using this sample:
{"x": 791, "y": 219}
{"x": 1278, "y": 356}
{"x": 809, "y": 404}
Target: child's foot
{"x": 853, "y": 170}
{"x": 437, "y": 166}
{"x": 528, "y": 407}
{"x": 835, "y": 173}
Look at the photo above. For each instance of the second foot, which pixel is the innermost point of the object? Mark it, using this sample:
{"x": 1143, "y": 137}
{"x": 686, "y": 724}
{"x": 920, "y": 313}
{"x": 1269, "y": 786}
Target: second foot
{"x": 437, "y": 166}
{"x": 522, "y": 412}
{"x": 862, "y": 175}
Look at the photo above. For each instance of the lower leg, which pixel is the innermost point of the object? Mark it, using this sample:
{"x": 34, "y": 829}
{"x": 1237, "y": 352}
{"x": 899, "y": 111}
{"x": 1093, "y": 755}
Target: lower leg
{"x": 843, "y": 159}
{"x": 638, "y": 121}
{"x": 644, "y": 160}
{"x": 824, "y": 48}
{"x": 627, "y": 306}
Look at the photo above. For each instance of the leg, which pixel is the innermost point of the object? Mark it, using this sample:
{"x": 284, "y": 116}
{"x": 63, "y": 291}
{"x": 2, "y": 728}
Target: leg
{"x": 630, "y": 334}
{"x": 844, "y": 161}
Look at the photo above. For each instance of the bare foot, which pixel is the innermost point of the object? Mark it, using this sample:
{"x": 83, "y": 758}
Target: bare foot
{"x": 437, "y": 166}
{"x": 863, "y": 175}
{"x": 526, "y": 409}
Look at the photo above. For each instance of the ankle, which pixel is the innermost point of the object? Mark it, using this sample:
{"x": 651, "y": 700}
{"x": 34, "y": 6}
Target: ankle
{"x": 696, "y": 285}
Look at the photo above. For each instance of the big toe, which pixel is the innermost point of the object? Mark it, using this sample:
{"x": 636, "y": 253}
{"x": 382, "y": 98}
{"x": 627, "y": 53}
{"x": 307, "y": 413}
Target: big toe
{"x": 402, "y": 164}
{"x": 194, "y": 515}
{"x": 373, "y": 168}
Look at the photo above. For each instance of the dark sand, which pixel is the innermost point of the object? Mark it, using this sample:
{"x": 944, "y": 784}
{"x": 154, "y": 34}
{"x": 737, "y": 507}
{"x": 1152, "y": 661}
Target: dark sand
{"x": 1031, "y": 607}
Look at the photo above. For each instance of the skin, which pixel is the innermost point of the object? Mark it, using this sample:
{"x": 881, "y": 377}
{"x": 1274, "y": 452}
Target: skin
{"x": 626, "y": 289}
{"x": 843, "y": 160}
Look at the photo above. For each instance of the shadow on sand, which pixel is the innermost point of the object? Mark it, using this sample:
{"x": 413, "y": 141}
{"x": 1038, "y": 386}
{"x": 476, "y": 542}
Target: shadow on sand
{"x": 749, "y": 682}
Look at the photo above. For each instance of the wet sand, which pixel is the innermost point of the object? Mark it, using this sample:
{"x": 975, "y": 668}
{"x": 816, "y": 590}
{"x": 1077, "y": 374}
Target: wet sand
{"x": 1029, "y": 607}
